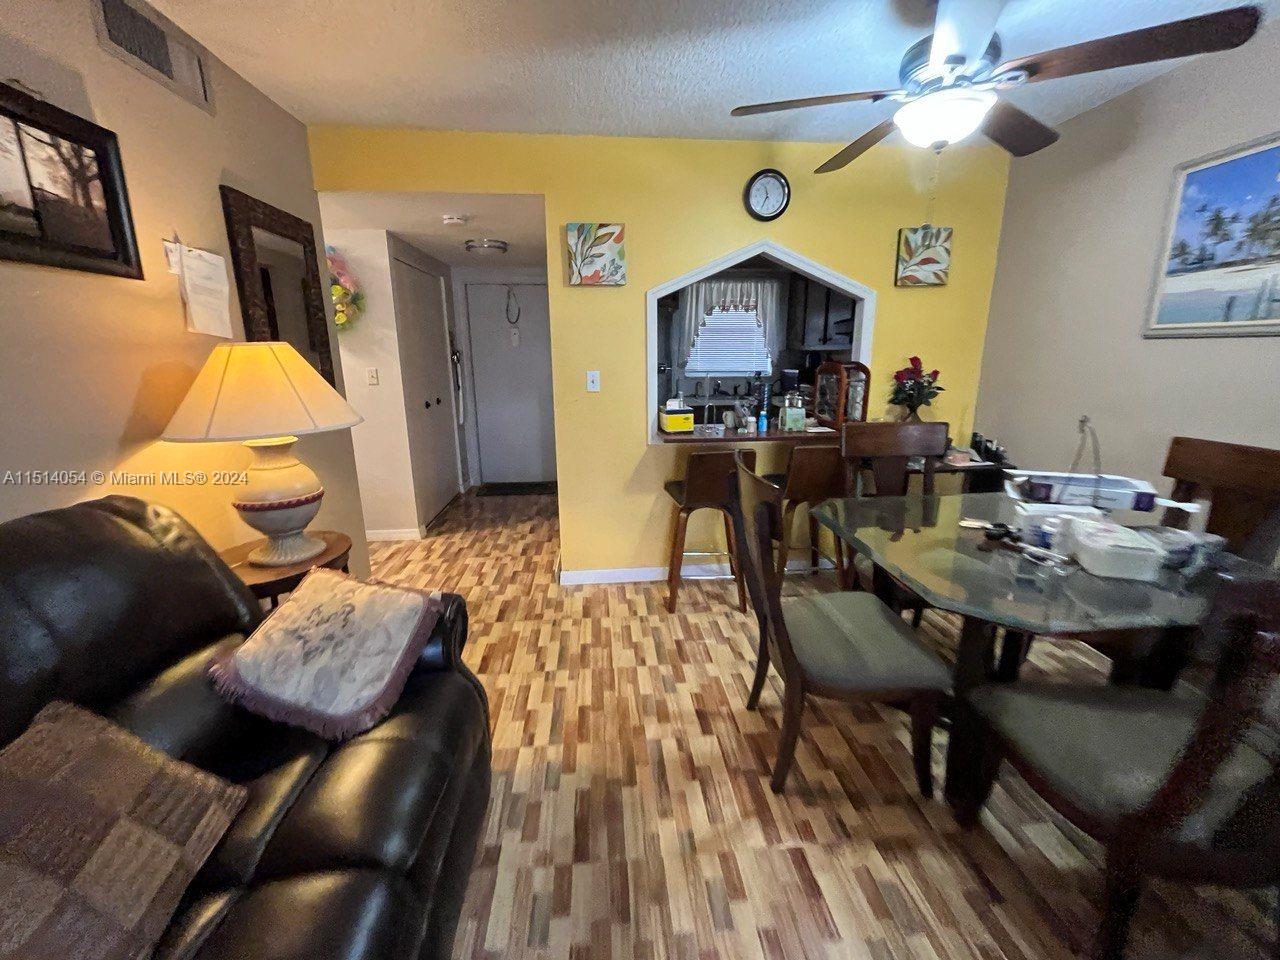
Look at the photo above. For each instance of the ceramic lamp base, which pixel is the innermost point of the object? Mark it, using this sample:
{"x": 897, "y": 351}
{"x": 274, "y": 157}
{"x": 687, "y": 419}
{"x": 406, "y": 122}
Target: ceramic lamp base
{"x": 287, "y": 550}
{"x": 281, "y": 497}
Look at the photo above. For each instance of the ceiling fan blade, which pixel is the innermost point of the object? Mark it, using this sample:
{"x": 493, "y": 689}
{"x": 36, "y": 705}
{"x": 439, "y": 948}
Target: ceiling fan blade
{"x": 961, "y": 31}
{"x": 1017, "y": 131}
{"x": 776, "y": 105}
{"x": 858, "y": 147}
{"x": 1183, "y": 38}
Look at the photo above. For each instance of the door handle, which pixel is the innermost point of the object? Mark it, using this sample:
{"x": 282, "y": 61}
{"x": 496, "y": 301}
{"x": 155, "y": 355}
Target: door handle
{"x": 437, "y": 401}
{"x": 427, "y": 405}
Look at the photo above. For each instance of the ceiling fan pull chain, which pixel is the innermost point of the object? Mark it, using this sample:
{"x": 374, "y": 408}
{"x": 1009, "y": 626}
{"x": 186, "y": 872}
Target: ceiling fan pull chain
{"x": 932, "y": 197}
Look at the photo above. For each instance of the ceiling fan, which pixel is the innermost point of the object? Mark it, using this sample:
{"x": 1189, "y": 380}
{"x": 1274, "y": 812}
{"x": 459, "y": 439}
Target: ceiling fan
{"x": 951, "y": 80}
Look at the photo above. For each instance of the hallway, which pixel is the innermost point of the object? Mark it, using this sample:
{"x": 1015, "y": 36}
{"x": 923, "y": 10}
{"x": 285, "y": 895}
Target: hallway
{"x": 631, "y": 815}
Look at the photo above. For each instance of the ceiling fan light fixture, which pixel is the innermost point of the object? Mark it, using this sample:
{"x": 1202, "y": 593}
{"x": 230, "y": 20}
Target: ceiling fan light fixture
{"x": 944, "y": 116}
{"x": 486, "y": 245}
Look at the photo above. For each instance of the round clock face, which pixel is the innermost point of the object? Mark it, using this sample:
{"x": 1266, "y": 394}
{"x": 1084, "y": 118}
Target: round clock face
{"x": 767, "y": 195}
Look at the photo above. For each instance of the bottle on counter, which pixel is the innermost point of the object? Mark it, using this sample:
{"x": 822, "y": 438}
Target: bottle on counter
{"x": 762, "y": 419}
{"x": 791, "y": 416}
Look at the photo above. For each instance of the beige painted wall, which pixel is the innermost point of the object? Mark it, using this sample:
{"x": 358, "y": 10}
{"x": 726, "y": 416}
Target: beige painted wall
{"x": 92, "y": 366}
{"x": 1083, "y": 231}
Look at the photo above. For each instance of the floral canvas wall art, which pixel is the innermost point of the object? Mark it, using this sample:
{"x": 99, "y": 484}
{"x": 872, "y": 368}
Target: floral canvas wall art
{"x": 597, "y": 257}
{"x": 924, "y": 256}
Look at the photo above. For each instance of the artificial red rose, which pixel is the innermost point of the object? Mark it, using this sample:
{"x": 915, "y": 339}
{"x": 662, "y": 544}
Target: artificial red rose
{"x": 933, "y": 374}
{"x": 900, "y": 376}
{"x": 915, "y": 363}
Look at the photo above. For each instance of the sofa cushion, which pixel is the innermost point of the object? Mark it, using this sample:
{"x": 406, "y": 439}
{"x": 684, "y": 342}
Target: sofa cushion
{"x": 99, "y": 837}
{"x": 376, "y": 800}
{"x": 333, "y": 915}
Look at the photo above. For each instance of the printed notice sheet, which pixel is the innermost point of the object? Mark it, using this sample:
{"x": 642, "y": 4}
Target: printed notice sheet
{"x": 206, "y": 292}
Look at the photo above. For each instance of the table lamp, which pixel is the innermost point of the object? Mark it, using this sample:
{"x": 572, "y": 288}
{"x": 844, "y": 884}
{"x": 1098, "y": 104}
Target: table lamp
{"x": 268, "y": 396}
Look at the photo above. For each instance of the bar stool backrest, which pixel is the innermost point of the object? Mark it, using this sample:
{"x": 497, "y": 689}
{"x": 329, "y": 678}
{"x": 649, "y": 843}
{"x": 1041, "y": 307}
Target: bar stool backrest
{"x": 814, "y": 474}
{"x": 709, "y": 479}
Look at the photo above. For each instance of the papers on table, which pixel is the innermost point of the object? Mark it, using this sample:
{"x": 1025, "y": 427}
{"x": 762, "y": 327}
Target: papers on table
{"x": 206, "y": 291}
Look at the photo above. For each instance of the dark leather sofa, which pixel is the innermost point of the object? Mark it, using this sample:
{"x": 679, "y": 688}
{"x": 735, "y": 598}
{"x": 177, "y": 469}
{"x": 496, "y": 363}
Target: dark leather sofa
{"x": 355, "y": 850}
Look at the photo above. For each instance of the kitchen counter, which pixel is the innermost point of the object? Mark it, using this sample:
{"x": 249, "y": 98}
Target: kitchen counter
{"x": 772, "y": 436}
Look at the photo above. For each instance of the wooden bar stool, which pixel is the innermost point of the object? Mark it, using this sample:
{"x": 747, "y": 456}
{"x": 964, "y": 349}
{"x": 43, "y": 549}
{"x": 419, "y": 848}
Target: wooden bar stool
{"x": 710, "y": 482}
{"x": 814, "y": 475}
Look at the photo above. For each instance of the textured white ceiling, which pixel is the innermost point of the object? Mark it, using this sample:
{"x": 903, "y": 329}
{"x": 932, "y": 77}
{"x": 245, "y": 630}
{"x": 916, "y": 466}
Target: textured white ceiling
{"x": 416, "y": 217}
{"x": 627, "y": 67}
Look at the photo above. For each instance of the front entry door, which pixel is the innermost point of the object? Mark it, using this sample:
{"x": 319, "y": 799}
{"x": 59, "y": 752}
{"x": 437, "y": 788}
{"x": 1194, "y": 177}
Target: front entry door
{"x": 511, "y": 364}
{"x": 428, "y": 387}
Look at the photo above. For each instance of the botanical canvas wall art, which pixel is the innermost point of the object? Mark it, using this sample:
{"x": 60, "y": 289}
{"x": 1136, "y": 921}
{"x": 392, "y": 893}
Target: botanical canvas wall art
{"x": 924, "y": 256}
{"x": 1219, "y": 272}
{"x": 597, "y": 257}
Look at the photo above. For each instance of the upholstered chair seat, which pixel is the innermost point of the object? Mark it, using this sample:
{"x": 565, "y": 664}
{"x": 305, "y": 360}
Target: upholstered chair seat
{"x": 1106, "y": 750}
{"x": 854, "y": 641}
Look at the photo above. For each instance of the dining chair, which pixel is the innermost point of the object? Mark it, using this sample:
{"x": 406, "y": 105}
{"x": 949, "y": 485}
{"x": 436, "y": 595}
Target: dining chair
{"x": 814, "y": 475}
{"x": 885, "y": 451}
{"x": 842, "y": 646}
{"x": 708, "y": 484}
{"x": 1181, "y": 787}
{"x": 1242, "y": 485}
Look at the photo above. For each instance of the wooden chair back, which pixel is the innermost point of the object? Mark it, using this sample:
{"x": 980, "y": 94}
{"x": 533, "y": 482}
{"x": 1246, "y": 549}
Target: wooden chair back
{"x": 1248, "y": 614}
{"x": 759, "y": 521}
{"x": 814, "y": 474}
{"x": 709, "y": 477}
{"x": 886, "y": 448}
{"x": 1242, "y": 484}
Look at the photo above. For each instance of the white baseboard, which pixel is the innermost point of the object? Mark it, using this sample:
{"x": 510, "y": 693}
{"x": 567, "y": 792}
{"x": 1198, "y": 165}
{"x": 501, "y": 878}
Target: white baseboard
{"x": 690, "y": 571}
{"x": 408, "y": 533}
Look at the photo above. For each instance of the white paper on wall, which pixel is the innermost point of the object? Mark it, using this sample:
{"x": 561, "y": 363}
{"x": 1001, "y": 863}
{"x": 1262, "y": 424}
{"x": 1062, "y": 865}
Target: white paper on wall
{"x": 206, "y": 292}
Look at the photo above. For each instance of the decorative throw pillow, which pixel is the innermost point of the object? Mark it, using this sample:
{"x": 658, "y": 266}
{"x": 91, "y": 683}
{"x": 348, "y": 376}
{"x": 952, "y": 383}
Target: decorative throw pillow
{"x": 334, "y": 657}
{"x": 100, "y": 834}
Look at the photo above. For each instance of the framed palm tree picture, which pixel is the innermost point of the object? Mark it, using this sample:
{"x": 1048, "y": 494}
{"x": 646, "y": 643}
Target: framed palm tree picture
{"x": 1219, "y": 270}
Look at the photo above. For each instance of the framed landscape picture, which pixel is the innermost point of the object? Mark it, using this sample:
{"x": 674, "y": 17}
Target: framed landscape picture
{"x": 1219, "y": 269}
{"x": 63, "y": 201}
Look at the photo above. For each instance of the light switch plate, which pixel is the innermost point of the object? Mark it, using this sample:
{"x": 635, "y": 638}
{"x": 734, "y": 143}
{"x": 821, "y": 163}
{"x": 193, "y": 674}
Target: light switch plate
{"x": 371, "y": 377}
{"x": 593, "y": 381}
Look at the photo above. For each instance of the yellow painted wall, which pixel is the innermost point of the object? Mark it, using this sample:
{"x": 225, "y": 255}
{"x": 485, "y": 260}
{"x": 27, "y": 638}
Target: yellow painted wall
{"x": 681, "y": 202}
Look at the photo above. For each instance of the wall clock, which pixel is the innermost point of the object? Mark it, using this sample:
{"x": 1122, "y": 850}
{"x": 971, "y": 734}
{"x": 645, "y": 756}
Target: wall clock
{"x": 767, "y": 194}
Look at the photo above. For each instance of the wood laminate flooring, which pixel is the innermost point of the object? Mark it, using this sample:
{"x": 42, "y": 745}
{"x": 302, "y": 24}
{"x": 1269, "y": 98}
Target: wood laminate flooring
{"x": 631, "y": 815}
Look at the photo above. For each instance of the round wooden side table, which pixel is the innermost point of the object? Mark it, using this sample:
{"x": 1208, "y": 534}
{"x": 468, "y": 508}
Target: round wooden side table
{"x": 270, "y": 583}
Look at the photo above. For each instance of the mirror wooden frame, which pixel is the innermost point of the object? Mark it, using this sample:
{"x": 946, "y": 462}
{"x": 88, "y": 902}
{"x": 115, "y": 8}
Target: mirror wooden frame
{"x": 243, "y": 213}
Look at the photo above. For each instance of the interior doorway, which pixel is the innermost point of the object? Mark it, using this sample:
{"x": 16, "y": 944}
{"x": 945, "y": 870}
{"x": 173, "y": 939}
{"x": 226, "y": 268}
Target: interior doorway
{"x": 450, "y": 363}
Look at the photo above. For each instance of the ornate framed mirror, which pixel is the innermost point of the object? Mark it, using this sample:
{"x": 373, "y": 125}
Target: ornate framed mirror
{"x": 273, "y": 256}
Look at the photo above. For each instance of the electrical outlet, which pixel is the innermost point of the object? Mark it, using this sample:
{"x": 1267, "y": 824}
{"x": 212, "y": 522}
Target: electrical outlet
{"x": 593, "y": 381}
{"x": 371, "y": 377}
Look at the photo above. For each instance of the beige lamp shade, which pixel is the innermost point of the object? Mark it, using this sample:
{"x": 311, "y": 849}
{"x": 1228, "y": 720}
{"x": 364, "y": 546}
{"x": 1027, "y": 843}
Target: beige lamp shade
{"x": 252, "y": 391}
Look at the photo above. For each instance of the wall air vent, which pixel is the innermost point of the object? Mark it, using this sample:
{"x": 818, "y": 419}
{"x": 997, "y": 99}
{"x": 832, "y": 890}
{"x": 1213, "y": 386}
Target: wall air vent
{"x": 150, "y": 42}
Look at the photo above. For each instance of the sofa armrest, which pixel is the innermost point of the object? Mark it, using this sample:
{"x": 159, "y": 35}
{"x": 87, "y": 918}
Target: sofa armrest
{"x": 444, "y": 647}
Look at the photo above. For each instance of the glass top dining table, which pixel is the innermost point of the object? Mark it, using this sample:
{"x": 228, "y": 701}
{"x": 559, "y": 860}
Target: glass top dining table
{"x": 919, "y": 542}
